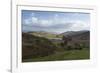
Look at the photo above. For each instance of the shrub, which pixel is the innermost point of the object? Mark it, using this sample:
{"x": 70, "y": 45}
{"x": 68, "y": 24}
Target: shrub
{"x": 78, "y": 46}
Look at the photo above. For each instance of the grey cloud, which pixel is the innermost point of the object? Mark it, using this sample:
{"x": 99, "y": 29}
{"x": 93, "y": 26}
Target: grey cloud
{"x": 53, "y": 28}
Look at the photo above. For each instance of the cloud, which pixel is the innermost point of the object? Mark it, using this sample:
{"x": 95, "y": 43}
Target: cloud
{"x": 46, "y": 23}
{"x": 34, "y": 20}
{"x": 56, "y": 24}
{"x": 27, "y": 21}
{"x": 32, "y": 14}
{"x": 80, "y": 25}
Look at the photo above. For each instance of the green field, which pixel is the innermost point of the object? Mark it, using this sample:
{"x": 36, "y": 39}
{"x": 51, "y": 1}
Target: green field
{"x": 46, "y": 35}
{"x": 65, "y": 55}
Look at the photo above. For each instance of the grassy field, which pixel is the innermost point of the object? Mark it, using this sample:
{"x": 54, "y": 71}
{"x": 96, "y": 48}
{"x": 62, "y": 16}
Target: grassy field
{"x": 46, "y": 35}
{"x": 65, "y": 55}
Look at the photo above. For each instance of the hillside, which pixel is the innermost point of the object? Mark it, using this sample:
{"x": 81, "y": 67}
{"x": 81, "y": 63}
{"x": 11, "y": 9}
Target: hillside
{"x": 44, "y": 34}
{"x": 34, "y": 46}
{"x": 76, "y": 33}
{"x": 79, "y": 38}
{"x": 79, "y": 35}
{"x": 44, "y": 46}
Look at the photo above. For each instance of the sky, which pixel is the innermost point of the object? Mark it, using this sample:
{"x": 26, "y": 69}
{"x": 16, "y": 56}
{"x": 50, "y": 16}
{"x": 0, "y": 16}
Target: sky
{"x": 52, "y": 21}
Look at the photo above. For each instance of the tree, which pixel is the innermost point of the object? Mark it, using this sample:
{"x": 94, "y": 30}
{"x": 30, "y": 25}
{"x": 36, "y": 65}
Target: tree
{"x": 66, "y": 39}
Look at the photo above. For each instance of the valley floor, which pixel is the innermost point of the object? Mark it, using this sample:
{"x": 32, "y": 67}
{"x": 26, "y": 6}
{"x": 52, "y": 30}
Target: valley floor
{"x": 65, "y": 55}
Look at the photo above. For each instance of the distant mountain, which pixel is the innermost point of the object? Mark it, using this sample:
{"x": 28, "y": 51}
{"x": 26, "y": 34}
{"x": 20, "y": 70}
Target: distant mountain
{"x": 81, "y": 38}
{"x": 77, "y": 34}
{"x": 72, "y": 33}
